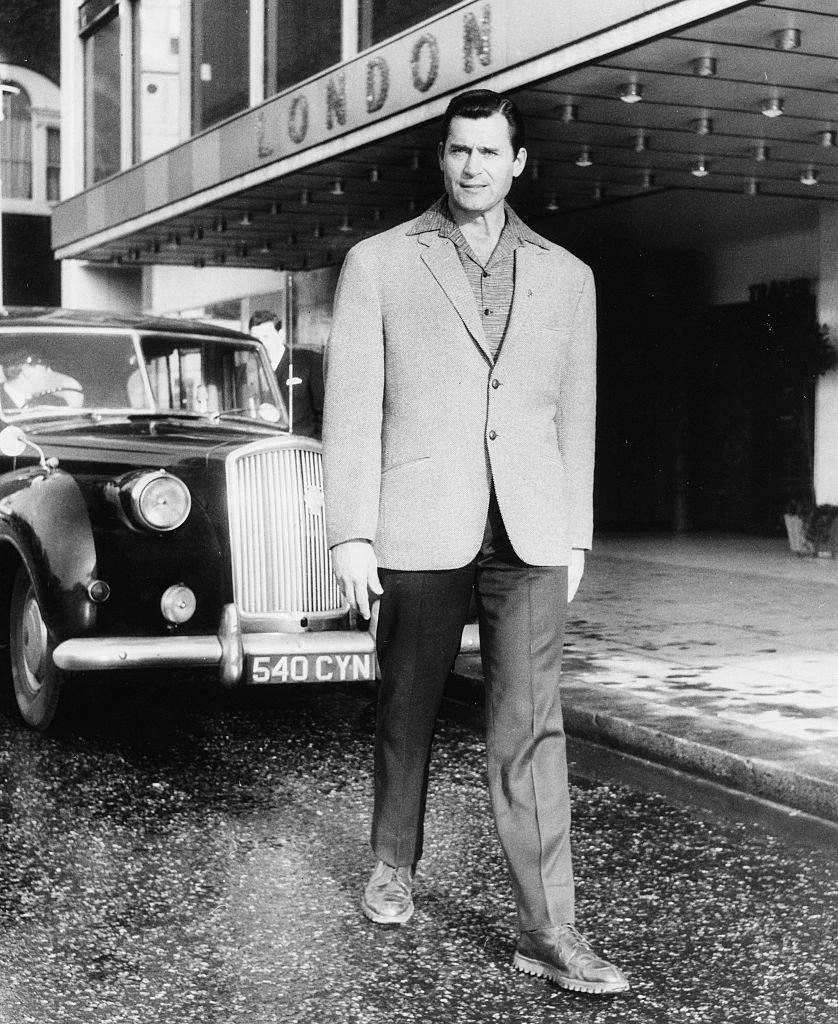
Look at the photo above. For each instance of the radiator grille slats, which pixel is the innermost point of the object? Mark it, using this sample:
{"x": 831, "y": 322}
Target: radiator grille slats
{"x": 281, "y": 561}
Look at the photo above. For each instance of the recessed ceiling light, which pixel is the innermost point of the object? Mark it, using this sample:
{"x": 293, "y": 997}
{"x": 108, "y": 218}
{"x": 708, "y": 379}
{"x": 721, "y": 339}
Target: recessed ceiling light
{"x": 772, "y": 107}
{"x": 787, "y": 39}
{"x": 631, "y": 92}
{"x": 700, "y": 169}
{"x": 704, "y": 67}
{"x": 584, "y": 159}
{"x": 809, "y": 176}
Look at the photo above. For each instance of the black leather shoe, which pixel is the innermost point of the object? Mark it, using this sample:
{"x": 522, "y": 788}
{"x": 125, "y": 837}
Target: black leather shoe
{"x": 388, "y": 897}
{"x": 565, "y": 957}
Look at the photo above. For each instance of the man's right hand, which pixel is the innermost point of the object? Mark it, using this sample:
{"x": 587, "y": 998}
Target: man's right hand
{"x": 356, "y": 569}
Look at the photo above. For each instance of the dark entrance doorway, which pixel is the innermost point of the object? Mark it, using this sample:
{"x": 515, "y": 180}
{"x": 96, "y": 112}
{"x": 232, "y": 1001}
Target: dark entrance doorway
{"x": 705, "y": 413}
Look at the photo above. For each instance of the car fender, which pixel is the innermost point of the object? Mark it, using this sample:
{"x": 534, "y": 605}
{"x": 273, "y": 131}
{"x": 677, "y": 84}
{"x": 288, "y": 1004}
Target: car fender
{"x": 44, "y": 516}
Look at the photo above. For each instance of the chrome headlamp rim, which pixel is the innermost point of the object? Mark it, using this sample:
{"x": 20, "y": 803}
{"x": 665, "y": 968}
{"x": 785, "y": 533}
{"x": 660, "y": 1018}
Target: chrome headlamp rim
{"x": 138, "y": 492}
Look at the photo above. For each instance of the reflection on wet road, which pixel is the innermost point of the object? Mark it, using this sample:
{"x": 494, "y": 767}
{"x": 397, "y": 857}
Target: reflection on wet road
{"x": 161, "y": 864}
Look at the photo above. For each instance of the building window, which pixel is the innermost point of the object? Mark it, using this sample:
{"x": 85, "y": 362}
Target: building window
{"x": 301, "y": 38}
{"x": 16, "y": 144}
{"x": 102, "y": 98}
{"x": 220, "y": 60}
{"x": 157, "y": 70}
{"x": 379, "y": 19}
{"x": 53, "y": 176}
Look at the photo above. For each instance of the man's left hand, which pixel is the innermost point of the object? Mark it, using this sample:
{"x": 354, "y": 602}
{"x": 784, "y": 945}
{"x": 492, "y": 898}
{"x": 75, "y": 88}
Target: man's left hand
{"x": 574, "y": 572}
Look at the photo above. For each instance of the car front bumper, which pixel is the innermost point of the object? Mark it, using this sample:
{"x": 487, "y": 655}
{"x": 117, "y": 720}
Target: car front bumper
{"x": 227, "y": 651}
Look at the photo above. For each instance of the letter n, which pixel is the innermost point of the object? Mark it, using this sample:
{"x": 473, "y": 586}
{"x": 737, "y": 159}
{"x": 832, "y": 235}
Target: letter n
{"x": 477, "y": 39}
{"x": 336, "y": 101}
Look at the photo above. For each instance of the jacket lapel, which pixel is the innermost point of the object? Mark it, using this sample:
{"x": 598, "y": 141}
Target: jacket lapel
{"x": 443, "y": 262}
{"x": 533, "y": 280}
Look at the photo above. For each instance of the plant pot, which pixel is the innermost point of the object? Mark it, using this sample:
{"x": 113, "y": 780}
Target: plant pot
{"x": 796, "y": 530}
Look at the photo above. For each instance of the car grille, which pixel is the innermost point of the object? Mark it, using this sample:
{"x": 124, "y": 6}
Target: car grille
{"x": 281, "y": 562}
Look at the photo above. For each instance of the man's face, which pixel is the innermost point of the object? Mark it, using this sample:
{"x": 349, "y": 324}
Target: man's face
{"x": 478, "y": 163}
{"x": 270, "y": 337}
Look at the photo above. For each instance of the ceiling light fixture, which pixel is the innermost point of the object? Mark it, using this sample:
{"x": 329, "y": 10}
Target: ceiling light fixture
{"x": 374, "y": 174}
{"x": 704, "y": 67}
{"x": 197, "y": 233}
{"x": 809, "y": 176}
{"x": 337, "y": 188}
{"x": 415, "y": 161}
{"x": 245, "y": 219}
{"x": 751, "y": 187}
{"x": 585, "y": 159}
{"x": 787, "y": 39}
{"x": 345, "y": 225}
{"x": 552, "y": 204}
{"x": 241, "y": 252}
{"x": 220, "y": 226}
{"x": 568, "y": 113}
{"x": 631, "y": 92}
{"x": 305, "y": 197}
{"x": 641, "y": 142}
{"x": 318, "y": 231}
{"x": 772, "y": 107}
{"x": 599, "y": 193}
{"x": 826, "y": 139}
{"x": 700, "y": 169}
{"x": 265, "y": 248}
{"x": 276, "y": 208}
{"x": 702, "y": 125}
{"x": 647, "y": 179}
{"x": 174, "y": 241}
{"x": 535, "y": 172}
{"x": 761, "y": 152}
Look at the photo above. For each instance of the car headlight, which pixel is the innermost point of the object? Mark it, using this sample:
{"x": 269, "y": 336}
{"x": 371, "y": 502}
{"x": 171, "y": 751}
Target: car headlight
{"x": 159, "y": 501}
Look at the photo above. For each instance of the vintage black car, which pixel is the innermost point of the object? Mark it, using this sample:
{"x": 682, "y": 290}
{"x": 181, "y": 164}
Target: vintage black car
{"x": 157, "y": 513}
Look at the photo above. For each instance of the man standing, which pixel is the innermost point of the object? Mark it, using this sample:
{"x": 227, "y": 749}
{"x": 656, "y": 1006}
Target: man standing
{"x": 459, "y": 436}
{"x": 300, "y": 377}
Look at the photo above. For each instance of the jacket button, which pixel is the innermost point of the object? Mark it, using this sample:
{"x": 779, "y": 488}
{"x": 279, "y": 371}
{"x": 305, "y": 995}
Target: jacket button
{"x": 492, "y": 435}
{"x": 495, "y": 383}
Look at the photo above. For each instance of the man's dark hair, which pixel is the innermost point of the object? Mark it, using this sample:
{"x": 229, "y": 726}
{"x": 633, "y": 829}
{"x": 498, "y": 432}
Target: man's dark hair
{"x": 479, "y": 103}
{"x": 264, "y": 316}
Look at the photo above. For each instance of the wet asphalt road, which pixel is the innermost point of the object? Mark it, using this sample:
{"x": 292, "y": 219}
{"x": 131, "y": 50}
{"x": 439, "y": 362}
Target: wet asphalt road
{"x": 162, "y": 863}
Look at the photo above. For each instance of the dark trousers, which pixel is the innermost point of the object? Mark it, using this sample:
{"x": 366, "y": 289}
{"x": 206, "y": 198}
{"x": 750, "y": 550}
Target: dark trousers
{"x": 522, "y": 611}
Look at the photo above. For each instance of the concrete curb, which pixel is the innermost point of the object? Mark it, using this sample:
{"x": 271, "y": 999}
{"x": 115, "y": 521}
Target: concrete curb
{"x": 748, "y": 760}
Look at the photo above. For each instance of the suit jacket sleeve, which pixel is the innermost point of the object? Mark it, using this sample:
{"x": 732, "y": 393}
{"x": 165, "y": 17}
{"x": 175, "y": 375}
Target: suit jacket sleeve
{"x": 352, "y": 411}
{"x": 576, "y": 418}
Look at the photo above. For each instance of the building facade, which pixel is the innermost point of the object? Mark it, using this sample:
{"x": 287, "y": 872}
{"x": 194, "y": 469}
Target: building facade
{"x": 222, "y": 155}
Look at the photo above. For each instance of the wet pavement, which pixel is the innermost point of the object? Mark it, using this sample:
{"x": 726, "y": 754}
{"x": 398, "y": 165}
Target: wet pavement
{"x": 166, "y": 864}
{"x": 715, "y": 654}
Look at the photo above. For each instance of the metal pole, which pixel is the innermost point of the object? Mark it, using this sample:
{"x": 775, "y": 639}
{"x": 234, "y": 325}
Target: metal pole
{"x": 13, "y": 91}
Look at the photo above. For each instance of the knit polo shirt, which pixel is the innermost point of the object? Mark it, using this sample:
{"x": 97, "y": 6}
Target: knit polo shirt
{"x": 492, "y": 284}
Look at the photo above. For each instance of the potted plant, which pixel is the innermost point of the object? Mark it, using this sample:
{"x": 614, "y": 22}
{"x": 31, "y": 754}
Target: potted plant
{"x": 812, "y": 529}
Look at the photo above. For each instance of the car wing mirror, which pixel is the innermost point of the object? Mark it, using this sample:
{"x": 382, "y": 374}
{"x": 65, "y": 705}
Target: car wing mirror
{"x": 14, "y": 442}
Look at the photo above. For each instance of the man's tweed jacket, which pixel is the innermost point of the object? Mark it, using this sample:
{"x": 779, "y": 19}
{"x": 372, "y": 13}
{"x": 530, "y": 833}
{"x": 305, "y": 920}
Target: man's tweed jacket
{"x": 418, "y": 421}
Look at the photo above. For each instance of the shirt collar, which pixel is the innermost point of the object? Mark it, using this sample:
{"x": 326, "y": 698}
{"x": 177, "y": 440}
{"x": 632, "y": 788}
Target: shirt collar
{"x": 438, "y": 219}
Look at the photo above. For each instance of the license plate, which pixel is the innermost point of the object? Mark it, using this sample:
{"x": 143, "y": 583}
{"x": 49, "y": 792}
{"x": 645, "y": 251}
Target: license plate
{"x": 275, "y": 669}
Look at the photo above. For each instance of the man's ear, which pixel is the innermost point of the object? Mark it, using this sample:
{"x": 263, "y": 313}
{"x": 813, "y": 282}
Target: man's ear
{"x": 519, "y": 163}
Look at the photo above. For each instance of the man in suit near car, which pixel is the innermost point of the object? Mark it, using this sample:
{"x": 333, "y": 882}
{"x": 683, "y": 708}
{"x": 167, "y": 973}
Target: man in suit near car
{"x": 459, "y": 451}
{"x": 299, "y": 375}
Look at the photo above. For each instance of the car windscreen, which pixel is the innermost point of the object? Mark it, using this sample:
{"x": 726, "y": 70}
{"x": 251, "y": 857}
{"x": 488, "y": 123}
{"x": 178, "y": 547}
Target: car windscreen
{"x": 52, "y": 372}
